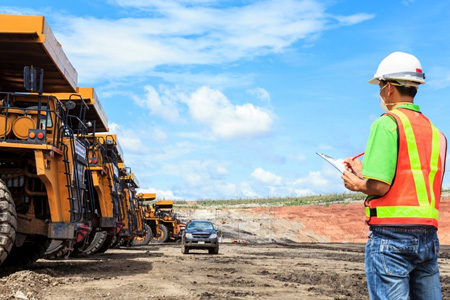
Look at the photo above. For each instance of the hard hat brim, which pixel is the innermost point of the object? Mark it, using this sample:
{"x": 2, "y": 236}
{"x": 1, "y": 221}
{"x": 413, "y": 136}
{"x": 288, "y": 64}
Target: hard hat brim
{"x": 415, "y": 77}
{"x": 377, "y": 80}
{"x": 374, "y": 81}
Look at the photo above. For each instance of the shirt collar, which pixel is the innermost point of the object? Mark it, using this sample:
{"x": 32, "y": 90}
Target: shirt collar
{"x": 411, "y": 106}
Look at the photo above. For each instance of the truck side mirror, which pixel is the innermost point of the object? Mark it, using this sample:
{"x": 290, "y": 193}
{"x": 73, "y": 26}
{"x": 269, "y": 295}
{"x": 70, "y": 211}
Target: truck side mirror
{"x": 70, "y": 104}
{"x": 33, "y": 79}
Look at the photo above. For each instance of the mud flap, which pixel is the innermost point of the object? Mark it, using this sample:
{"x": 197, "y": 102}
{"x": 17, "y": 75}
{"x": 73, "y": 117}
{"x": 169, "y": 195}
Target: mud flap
{"x": 61, "y": 231}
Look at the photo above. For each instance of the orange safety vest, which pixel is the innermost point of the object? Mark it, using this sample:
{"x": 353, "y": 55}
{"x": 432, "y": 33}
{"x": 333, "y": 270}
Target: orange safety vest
{"x": 413, "y": 198}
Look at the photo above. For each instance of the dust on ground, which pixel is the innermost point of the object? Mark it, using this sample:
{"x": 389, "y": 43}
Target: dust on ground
{"x": 299, "y": 252}
{"x": 316, "y": 271}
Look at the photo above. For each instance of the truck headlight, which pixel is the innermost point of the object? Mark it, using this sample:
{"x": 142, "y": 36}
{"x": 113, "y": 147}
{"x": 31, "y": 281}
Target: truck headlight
{"x": 213, "y": 236}
{"x": 189, "y": 235}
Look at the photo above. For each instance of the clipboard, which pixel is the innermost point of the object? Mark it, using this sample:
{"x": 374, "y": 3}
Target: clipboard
{"x": 337, "y": 163}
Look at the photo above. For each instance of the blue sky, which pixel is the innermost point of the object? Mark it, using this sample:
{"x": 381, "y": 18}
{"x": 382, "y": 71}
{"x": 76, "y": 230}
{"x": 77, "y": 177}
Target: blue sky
{"x": 232, "y": 99}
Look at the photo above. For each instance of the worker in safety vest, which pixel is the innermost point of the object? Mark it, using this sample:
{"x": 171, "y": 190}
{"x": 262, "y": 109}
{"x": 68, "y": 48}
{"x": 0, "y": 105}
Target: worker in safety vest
{"x": 402, "y": 174}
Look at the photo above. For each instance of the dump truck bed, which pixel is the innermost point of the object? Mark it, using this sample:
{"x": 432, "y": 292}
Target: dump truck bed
{"x": 111, "y": 137}
{"x": 29, "y": 41}
{"x": 132, "y": 180}
{"x": 95, "y": 111}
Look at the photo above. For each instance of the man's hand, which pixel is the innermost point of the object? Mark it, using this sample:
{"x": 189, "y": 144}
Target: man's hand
{"x": 367, "y": 186}
{"x": 353, "y": 182}
{"x": 354, "y": 166}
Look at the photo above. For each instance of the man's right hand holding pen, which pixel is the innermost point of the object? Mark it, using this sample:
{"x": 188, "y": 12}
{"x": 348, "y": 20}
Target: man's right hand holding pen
{"x": 354, "y": 181}
{"x": 354, "y": 165}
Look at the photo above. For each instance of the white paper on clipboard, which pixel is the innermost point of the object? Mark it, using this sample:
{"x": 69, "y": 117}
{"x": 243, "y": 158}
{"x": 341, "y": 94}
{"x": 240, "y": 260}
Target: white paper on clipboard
{"x": 337, "y": 163}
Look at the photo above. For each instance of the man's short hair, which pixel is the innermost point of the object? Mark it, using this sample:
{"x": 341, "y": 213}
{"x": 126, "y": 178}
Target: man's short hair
{"x": 410, "y": 91}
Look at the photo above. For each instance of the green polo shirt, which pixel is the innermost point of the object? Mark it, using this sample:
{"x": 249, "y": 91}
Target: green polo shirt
{"x": 380, "y": 157}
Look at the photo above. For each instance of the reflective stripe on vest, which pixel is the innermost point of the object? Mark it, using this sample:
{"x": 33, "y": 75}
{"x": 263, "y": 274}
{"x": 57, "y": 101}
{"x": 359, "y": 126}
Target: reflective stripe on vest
{"x": 420, "y": 198}
{"x": 405, "y": 212}
{"x": 414, "y": 159}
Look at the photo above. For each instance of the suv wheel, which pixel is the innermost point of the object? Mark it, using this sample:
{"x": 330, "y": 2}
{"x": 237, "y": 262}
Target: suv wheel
{"x": 184, "y": 249}
{"x": 214, "y": 250}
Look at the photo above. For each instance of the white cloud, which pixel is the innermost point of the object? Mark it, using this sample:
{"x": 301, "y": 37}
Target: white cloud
{"x": 314, "y": 179}
{"x": 304, "y": 192}
{"x": 197, "y": 172}
{"x": 201, "y": 179}
{"x": 159, "y": 135}
{"x": 354, "y": 19}
{"x": 266, "y": 177}
{"x": 19, "y": 11}
{"x": 221, "y": 170}
{"x": 162, "y": 105}
{"x": 260, "y": 93}
{"x": 137, "y": 140}
{"x": 213, "y": 109}
{"x": 196, "y": 135}
{"x": 222, "y": 80}
{"x": 328, "y": 180}
{"x": 127, "y": 139}
{"x": 160, "y": 194}
{"x": 160, "y": 155}
{"x": 158, "y": 3}
{"x": 247, "y": 190}
{"x": 169, "y": 33}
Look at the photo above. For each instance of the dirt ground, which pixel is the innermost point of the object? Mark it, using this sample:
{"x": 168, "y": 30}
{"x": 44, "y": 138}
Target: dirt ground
{"x": 239, "y": 271}
{"x": 301, "y": 252}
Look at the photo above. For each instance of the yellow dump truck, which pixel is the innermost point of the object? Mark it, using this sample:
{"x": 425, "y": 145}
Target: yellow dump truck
{"x": 135, "y": 232}
{"x": 161, "y": 219}
{"x": 43, "y": 158}
{"x": 108, "y": 211}
{"x": 98, "y": 209}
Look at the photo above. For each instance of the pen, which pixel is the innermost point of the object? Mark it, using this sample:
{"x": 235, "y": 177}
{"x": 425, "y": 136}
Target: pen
{"x": 361, "y": 154}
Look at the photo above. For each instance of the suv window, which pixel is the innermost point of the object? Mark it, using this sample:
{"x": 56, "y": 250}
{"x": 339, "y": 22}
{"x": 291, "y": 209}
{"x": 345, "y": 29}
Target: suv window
{"x": 199, "y": 226}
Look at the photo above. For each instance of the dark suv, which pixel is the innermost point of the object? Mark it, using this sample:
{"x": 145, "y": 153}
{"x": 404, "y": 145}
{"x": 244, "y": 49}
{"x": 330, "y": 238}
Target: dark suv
{"x": 200, "y": 235}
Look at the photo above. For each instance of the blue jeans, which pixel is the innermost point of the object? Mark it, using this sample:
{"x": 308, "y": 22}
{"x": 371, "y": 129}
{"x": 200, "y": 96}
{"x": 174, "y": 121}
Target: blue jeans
{"x": 401, "y": 263}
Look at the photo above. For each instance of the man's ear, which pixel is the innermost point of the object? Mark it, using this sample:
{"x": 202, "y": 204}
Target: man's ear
{"x": 390, "y": 88}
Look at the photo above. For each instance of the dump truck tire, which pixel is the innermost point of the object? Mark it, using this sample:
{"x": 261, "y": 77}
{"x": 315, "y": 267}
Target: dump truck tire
{"x": 58, "y": 249}
{"x": 120, "y": 242}
{"x": 110, "y": 239}
{"x": 8, "y": 222}
{"x": 143, "y": 240}
{"x": 24, "y": 256}
{"x": 164, "y": 235}
{"x": 80, "y": 247}
{"x": 115, "y": 241}
{"x": 96, "y": 243}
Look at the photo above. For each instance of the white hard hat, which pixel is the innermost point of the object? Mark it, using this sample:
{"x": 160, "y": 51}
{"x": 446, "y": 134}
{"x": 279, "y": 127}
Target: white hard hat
{"x": 401, "y": 67}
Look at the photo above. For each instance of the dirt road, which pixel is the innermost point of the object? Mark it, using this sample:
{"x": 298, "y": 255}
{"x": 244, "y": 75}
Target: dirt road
{"x": 240, "y": 271}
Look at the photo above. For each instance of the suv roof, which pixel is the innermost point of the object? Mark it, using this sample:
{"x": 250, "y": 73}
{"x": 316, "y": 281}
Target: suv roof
{"x": 200, "y": 221}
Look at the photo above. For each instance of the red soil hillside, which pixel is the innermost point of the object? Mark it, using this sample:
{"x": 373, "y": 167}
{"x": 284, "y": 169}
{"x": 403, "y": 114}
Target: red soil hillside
{"x": 341, "y": 222}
